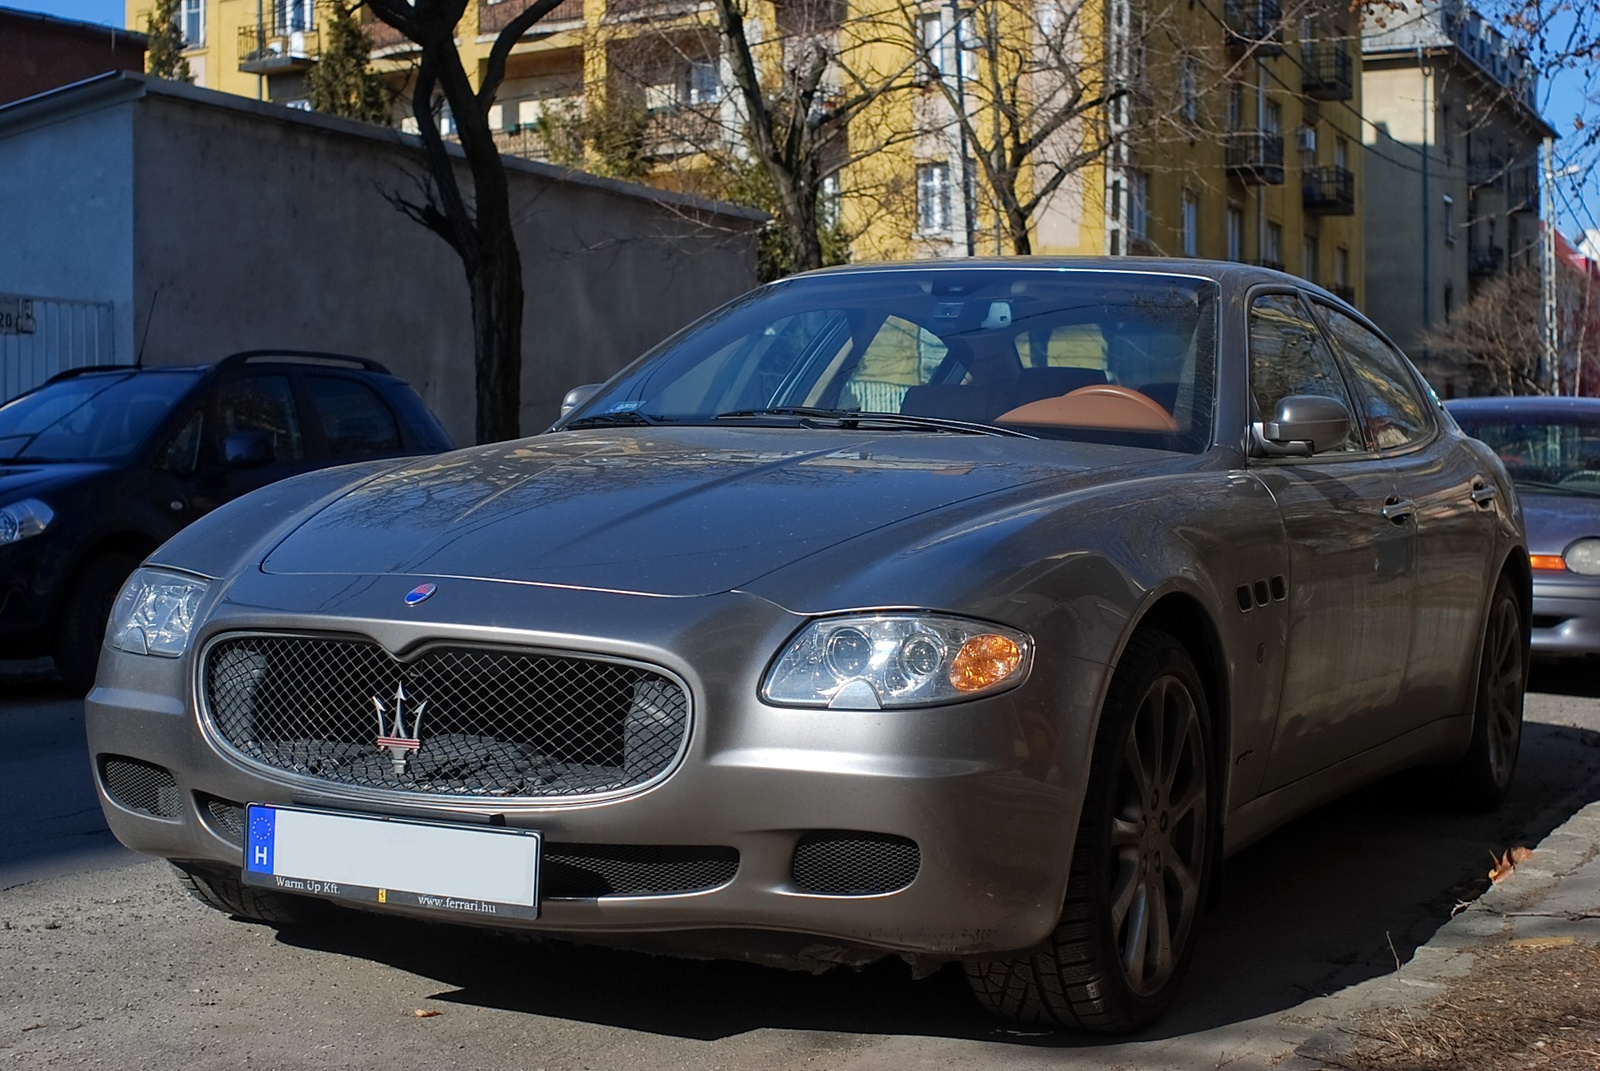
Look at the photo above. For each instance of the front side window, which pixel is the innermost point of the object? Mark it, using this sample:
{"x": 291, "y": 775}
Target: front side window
{"x": 1125, "y": 358}
{"x": 1396, "y": 413}
{"x": 261, "y": 403}
{"x": 355, "y": 421}
{"x": 1288, "y": 355}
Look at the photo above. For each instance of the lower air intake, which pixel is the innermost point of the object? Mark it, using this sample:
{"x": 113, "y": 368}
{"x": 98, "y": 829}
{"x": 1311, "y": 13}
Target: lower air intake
{"x": 847, "y": 863}
{"x": 585, "y": 871}
{"x": 140, "y": 786}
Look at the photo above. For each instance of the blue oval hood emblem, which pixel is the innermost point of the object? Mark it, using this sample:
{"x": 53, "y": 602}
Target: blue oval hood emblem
{"x": 420, "y": 593}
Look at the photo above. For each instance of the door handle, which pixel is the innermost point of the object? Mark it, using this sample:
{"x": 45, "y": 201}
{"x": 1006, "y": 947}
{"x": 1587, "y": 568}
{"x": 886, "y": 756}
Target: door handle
{"x": 1484, "y": 493}
{"x": 1398, "y": 509}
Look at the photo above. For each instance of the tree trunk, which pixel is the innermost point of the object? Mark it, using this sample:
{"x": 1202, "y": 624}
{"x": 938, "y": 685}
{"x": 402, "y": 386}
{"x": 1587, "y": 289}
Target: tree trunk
{"x": 496, "y": 290}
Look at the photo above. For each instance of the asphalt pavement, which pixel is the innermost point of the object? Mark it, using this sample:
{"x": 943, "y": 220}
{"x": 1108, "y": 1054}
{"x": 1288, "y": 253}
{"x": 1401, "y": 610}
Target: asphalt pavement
{"x": 104, "y": 963}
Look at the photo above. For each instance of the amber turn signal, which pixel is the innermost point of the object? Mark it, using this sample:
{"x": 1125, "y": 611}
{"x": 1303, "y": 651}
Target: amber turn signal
{"x": 984, "y": 661}
{"x": 1553, "y": 562}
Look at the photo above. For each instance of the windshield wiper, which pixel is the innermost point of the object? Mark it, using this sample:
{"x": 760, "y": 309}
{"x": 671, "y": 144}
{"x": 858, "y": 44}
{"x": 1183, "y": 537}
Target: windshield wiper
{"x": 629, "y": 418}
{"x": 854, "y": 418}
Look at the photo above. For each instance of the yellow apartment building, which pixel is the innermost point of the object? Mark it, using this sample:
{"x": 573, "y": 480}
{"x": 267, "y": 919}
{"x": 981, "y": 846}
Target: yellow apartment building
{"x": 1236, "y": 132}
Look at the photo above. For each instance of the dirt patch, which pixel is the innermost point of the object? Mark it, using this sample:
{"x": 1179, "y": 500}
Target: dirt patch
{"x": 1526, "y": 1004}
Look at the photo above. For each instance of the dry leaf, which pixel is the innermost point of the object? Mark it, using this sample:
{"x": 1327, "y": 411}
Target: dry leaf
{"x": 426, "y": 1013}
{"x": 1506, "y": 864}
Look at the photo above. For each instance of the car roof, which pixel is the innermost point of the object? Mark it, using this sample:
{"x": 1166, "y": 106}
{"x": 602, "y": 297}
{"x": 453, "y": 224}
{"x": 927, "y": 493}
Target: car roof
{"x": 1189, "y": 266}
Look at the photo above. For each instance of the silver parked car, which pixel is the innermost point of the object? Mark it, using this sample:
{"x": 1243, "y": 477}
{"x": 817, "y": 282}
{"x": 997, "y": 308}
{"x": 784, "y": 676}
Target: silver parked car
{"x": 958, "y": 611}
{"x": 1551, "y": 448}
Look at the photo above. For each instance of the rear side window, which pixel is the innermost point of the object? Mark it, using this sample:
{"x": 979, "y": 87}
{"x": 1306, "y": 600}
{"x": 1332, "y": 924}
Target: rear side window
{"x": 1288, "y": 355}
{"x": 355, "y": 420}
{"x": 261, "y": 403}
{"x": 1395, "y": 410}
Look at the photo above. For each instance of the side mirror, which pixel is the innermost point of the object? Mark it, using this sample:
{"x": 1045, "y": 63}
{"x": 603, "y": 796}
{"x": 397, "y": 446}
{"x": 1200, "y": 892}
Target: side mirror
{"x": 1304, "y": 424}
{"x": 248, "y": 450}
{"x": 577, "y": 396}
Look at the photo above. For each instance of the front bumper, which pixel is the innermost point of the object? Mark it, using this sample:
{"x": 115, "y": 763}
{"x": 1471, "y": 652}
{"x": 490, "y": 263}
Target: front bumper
{"x": 989, "y": 790}
{"x": 1566, "y": 615}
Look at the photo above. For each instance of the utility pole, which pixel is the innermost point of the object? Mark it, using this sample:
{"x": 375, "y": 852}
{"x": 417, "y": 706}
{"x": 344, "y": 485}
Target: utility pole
{"x": 968, "y": 207}
{"x": 1550, "y": 373}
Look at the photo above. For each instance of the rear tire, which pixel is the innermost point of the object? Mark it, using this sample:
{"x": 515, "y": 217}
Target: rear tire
{"x": 1480, "y": 779}
{"x": 83, "y": 625}
{"x": 1141, "y": 868}
{"x": 222, "y": 890}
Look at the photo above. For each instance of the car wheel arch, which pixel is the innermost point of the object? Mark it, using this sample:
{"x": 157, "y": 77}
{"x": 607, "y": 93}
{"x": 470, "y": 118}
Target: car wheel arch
{"x": 133, "y": 543}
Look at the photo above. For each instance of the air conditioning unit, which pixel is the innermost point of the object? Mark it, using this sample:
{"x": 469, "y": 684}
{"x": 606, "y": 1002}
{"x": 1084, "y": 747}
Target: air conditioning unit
{"x": 1305, "y": 139}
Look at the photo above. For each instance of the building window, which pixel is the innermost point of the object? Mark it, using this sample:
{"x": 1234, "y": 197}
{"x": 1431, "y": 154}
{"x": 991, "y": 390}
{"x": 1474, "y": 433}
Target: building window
{"x": 1235, "y": 106}
{"x": 1189, "y": 92}
{"x": 933, "y": 197}
{"x": 1449, "y": 220}
{"x": 1341, "y": 153}
{"x": 1235, "y": 233}
{"x": 1341, "y": 267}
{"x": 1138, "y": 206}
{"x": 1449, "y": 300}
{"x": 1274, "y": 114}
{"x": 1309, "y": 258}
{"x": 828, "y": 201}
{"x": 292, "y": 15}
{"x": 1191, "y": 224}
{"x": 662, "y": 97}
{"x": 1274, "y": 250}
{"x": 931, "y": 31}
{"x": 194, "y": 23}
{"x": 705, "y": 82}
{"x": 1116, "y": 199}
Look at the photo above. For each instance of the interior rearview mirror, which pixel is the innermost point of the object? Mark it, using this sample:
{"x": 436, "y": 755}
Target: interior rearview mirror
{"x": 1305, "y": 424}
{"x": 248, "y": 449}
{"x": 577, "y": 396}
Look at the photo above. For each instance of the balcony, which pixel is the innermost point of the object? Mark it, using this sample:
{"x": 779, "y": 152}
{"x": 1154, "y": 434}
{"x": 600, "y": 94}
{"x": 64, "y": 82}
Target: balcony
{"x": 1255, "y": 157}
{"x": 1328, "y": 71}
{"x": 1522, "y": 191}
{"x": 1485, "y": 259}
{"x": 1328, "y": 191}
{"x": 1254, "y": 26}
{"x": 268, "y": 49}
{"x": 1486, "y": 174}
{"x": 496, "y": 15}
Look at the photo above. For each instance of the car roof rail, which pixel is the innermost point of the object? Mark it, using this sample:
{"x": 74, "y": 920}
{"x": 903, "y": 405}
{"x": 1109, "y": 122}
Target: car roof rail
{"x": 74, "y": 373}
{"x": 300, "y": 357}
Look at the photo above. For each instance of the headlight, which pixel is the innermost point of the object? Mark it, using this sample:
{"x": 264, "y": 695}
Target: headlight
{"x": 895, "y": 660}
{"x": 155, "y": 614}
{"x": 1584, "y": 557}
{"x": 22, "y": 519}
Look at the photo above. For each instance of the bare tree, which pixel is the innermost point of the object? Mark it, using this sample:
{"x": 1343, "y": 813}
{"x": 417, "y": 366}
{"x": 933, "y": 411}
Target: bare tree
{"x": 475, "y": 223}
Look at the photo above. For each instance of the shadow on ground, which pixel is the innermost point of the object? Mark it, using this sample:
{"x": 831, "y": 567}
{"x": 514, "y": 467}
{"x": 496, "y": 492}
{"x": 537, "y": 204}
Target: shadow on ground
{"x": 1337, "y": 897}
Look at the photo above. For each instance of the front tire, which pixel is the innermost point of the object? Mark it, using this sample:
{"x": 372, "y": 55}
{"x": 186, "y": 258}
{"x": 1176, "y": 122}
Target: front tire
{"x": 1480, "y": 779}
{"x": 83, "y": 625}
{"x": 221, "y": 889}
{"x": 1141, "y": 866}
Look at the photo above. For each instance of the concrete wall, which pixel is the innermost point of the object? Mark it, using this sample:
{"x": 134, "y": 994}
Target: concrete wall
{"x": 259, "y": 226}
{"x": 66, "y": 213}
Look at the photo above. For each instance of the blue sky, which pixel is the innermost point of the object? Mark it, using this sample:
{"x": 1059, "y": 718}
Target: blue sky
{"x": 1563, "y": 97}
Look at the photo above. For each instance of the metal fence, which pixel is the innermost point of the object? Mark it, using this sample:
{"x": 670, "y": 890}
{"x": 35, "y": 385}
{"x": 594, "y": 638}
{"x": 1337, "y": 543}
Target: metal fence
{"x": 58, "y": 335}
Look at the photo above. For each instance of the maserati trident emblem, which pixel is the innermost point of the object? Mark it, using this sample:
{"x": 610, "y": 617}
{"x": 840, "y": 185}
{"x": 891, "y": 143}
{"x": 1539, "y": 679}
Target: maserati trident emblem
{"x": 420, "y": 593}
{"x": 392, "y": 738}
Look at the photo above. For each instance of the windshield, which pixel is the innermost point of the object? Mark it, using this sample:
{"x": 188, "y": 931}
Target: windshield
{"x": 97, "y": 417}
{"x": 1119, "y": 357}
{"x": 1557, "y": 455}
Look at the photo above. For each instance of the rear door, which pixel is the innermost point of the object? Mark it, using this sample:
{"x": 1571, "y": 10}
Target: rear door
{"x": 1351, "y": 581}
{"x": 1455, "y": 530}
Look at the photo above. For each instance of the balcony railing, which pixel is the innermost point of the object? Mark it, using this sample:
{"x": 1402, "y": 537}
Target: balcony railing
{"x": 383, "y": 36}
{"x": 265, "y": 49}
{"x": 496, "y": 15}
{"x": 1485, "y": 259}
{"x": 1254, "y": 25}
{"x": 1328, "y": 71}
{"x": 1328, "y": 191}
{"x": 1486, "y": 173}
{"x": 1522, "y": 191}
{"x": 1256, "y": 157}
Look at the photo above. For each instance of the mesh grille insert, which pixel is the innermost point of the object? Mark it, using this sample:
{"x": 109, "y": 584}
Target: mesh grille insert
{"x": 570, "y": 871}
{"x": 846, "y": 863}
{"x": 489, "y": 722}
{"x": 140, "y": 786}
{"x": 225, "y": 817}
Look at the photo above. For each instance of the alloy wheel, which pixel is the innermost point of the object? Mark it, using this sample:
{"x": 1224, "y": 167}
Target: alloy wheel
{"x": 1504, "y": 671}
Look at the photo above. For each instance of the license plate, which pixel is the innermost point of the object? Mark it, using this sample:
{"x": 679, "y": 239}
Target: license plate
{"x": 482, "y": 871}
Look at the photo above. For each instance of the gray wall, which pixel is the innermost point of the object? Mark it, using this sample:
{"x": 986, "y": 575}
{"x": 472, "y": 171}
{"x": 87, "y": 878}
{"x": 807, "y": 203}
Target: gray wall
{"x": 66, "y": 214}
{"x": 251, "y": 226}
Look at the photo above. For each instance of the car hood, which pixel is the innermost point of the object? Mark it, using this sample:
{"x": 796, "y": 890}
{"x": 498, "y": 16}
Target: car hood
{"x": 20, "y": 479}
{"x": 671, "y": 512}
{"x": 1555, "y": 522}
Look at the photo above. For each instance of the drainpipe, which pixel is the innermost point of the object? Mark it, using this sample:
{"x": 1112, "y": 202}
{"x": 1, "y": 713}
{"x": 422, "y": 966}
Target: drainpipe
{"x": 1427, "y": 232}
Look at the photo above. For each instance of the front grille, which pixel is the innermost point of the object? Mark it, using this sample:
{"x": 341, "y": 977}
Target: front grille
{"x": 225, "y": 817}
{"x": 569, "y": 871}
{"x": 846, "y": 863}
{"x": 490, "y": 722}
{"x": 140, "y": 786}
